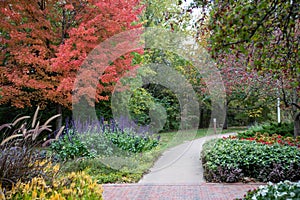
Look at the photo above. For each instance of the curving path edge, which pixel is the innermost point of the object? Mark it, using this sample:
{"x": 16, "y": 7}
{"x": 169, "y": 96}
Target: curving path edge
{"x": 180, "y": 164}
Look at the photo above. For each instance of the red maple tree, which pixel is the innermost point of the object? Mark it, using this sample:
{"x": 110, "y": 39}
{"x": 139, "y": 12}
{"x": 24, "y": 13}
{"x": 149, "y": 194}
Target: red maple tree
{"x": 44, "y": 43}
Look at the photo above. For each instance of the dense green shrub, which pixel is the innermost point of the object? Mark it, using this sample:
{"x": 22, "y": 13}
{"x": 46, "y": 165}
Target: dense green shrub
{"x": 97, "y": 143}
{"x": 102, "y": 140}
{"x": 159, "y": 99}
{"x": 227, "y": 160}
{"x": 70, "y": 147}
{"x": 140, "y": 104}
{"x": 128, "y": 140}
{"x": 281, "y": 191}
{"x": 283, "y": 129}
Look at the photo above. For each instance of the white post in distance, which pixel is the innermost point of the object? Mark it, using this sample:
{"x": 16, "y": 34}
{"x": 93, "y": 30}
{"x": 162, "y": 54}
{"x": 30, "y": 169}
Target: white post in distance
{"x": 215, "y": 125}
{"x": 278, "y": 110}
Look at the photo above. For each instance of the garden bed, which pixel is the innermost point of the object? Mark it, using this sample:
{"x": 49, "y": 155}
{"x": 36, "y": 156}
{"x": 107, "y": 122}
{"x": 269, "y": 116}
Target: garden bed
{"x": 266, "y": 153}
{"x": 281, "y": 191}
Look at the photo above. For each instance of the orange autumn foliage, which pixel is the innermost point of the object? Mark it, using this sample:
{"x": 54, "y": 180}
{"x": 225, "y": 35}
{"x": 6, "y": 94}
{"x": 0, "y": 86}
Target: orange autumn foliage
{"x": 43, "y": 44}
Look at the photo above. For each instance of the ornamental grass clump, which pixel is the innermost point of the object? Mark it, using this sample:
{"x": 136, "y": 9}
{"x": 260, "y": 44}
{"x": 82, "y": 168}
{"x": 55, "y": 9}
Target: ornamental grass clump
{"x": 19, "y": 150}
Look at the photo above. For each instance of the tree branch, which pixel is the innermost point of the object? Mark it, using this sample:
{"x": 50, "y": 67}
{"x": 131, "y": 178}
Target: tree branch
{"x": 259, "y": 24}
{"x": 284, "y": 94}
{"x": 296, "y": 105}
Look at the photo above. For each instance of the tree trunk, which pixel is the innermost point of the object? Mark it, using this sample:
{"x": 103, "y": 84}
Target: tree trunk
{"x": 201, "y": 125}
{"x": 59, "y": 119}
{"x": 225, "y": 125}
{"x": 297, "y": 125}
{"x": 296, "y": 114}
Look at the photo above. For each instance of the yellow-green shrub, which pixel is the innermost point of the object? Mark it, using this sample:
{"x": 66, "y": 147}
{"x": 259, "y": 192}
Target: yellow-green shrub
{"x": 72, "y": 186}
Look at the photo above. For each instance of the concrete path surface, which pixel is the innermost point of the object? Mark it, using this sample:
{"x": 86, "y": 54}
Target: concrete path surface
{"x": 177, "y": 175}
{"x": 180, "y": 164}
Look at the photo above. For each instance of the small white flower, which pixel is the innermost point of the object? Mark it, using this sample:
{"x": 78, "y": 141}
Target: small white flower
{"x": 261, "y": 187}
{"x": 280, "y": 194}
{"x": 254, "y": 198}
{"x": 270, "y": 183}
{"x": 264, "y": 192}
{"x": 292, "y": 194}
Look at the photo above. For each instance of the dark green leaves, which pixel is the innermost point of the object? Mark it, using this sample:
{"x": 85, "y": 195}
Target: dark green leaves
{"x": 263, "y": 162}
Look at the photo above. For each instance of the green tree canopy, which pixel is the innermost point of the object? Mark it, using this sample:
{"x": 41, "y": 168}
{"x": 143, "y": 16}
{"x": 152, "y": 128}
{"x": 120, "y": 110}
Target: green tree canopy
{"x": 266, "y": 32}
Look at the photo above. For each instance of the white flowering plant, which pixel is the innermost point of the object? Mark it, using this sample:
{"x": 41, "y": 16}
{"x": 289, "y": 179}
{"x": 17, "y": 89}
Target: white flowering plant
{"x": 285, "y": 190}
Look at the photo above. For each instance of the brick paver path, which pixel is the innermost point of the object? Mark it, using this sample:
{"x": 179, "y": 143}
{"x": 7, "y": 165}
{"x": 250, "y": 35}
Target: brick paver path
{"x": 204, "y": 191}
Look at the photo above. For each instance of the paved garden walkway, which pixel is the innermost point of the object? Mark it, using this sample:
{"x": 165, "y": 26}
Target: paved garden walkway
{"x": 205, "y": 191}
{"x": 176, "y": 175}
